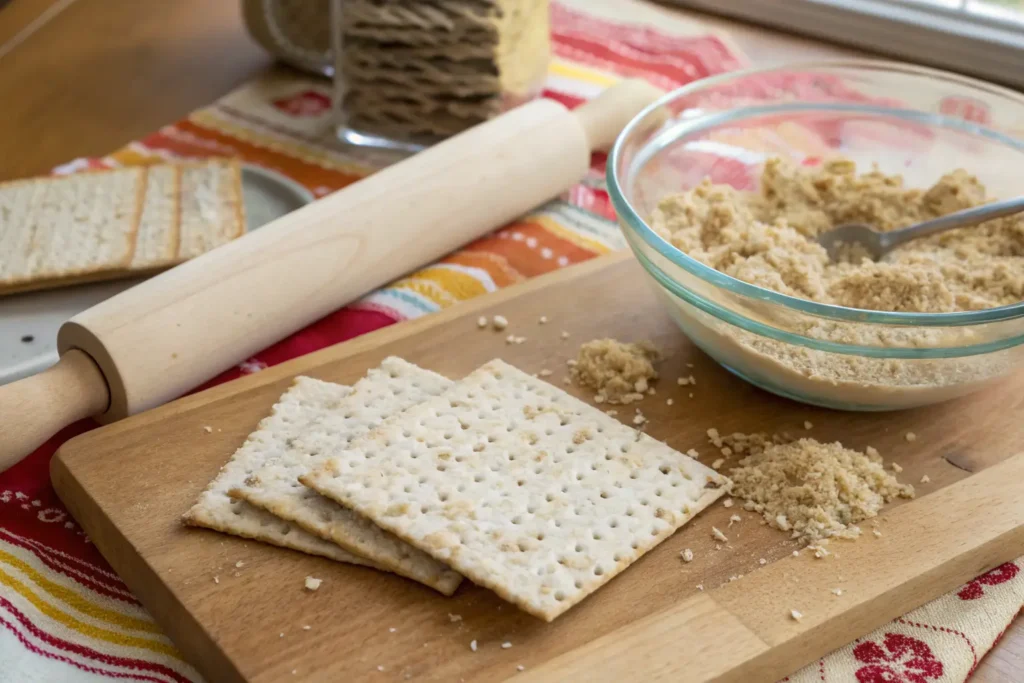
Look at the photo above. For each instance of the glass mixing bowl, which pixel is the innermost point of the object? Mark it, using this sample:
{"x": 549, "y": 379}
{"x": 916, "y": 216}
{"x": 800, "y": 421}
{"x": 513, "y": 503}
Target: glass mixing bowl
{"x": 917, "y": 122}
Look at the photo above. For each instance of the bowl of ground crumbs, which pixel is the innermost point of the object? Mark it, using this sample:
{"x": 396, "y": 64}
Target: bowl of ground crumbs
{"x": 723, "y": 186}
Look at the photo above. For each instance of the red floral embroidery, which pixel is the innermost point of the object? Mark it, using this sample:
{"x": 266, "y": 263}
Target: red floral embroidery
{"x": 1001, "y": 574}
{"x": 307, "y": 103}
{"x": 903, "y": 660}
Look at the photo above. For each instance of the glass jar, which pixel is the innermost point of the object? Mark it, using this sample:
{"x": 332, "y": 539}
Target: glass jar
{"x": 411, "y": 73}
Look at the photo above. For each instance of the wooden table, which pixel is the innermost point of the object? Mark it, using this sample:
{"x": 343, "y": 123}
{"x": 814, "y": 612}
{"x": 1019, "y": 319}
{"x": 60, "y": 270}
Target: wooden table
{"x": 83, "y": 77}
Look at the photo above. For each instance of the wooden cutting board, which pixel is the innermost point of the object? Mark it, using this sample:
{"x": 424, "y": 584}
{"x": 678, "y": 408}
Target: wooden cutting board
{"x": 128, "y": 484}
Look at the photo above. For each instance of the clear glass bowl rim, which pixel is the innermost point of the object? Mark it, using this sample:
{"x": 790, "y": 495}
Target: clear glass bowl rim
{"x": 626, "y": 213}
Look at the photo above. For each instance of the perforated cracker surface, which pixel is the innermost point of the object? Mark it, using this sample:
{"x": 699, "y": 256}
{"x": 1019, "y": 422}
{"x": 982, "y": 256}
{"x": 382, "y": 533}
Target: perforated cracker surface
{"x": 216, "y": 510}
{"x": 328, "y": 427}
{"x": 520, "y": 487}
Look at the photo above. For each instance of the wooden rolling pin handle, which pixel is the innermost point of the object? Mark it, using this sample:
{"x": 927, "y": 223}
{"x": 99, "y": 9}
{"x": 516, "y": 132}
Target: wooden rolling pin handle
{"x": 35, "y": 408}
{"x": 604, "y": 117}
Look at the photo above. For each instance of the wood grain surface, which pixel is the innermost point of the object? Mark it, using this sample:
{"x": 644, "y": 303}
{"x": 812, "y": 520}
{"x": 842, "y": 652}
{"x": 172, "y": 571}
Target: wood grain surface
{"x": 232, "y": 628}
{"x": 149, "y": 63}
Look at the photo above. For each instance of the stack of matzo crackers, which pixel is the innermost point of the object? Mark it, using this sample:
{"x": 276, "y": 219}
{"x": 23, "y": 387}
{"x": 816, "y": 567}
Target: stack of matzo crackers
{"x": 500, "y": 477}
{"x": 108, "y": 224}
{"x": 437, "y": 67}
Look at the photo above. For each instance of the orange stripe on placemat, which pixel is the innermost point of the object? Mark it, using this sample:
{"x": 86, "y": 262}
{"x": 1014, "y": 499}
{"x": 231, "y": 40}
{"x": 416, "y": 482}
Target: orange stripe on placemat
{"x": 529, "y": 260}
{"x": 309, "y": 175}
{"x": 502, "y": 273}
{"x": 83, "y": 628}
{"x": 76, "y": 601}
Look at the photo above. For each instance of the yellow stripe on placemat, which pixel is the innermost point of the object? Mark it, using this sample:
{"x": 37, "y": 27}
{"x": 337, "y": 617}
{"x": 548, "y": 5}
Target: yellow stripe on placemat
{"x": 580, "y": 72}
{"x": 76, "y": 600}
{"x": 571, "y": 236}
{"x": 83, "y": 628}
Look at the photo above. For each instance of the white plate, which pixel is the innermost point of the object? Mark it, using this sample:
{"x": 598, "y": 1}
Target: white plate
{"x": 29, "y": 322}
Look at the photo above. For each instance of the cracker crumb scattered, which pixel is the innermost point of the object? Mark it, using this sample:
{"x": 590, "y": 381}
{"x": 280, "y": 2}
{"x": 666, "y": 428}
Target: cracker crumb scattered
{"x": 796, "y": 553}
{"x": 520, "y": 667}
{"x": 819, "y": 550}
{"x": 380, "y": 667}
{"x": 639, "y": 418}
{"x": 814, "y": 490}
{"x": 896, "y": 468}
{"x": 700, "y": 586}
{"x": 694, "y": 454}
{"x": 543, "y": 320}
{"x": 762, "y": 562}
{"x": 239, "y": 564}
{"x": 513, "y": 339}
{"x": 911, "y": 436}
{"x": 808, "y": 424}
{"x": 280, "y": 635}
{"x": 472, "y": 645}
{"x": 481, "y": 322}
{"x": 877, "y": 533}
{"x": 925, "y": 479}
{"x": 727, "y": 503}
{"x": 837, "y": 591}
{"x": 611, "y": 412}
{"x": 669, "y": 401}
{"x": 687, "y": 555}
{"x": 564, "y": 335}
{"x": 691, "y": 395}
{"x": 313, "y": 584}
{"x": 734, "y": 518}
{"x": 306, "y": 627}
{"x": 545, "y": 372}
{"x": 718, "y": 535}
{"x": 620, "y": 372}
{"x": 392, "y": 629}
{"x": 216, "y": 579}
{"x": 208, "y": 429}
{"x": 795, "y": 616}
{"x": 717, "y": 464}
{"x": 506, "y": 645}
{"x": 454, "y": 617}
{"x": 499, "y": 322}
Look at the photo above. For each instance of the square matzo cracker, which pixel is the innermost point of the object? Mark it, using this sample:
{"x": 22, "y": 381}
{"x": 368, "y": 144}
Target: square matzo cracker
{"x": 520, "y": 487}
{"x": 328, "y": 427}
{"x": 216, "y": 510}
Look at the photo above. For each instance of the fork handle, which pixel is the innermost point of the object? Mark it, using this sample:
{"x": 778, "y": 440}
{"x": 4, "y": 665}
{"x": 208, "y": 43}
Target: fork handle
{"x": 957, "y": 219}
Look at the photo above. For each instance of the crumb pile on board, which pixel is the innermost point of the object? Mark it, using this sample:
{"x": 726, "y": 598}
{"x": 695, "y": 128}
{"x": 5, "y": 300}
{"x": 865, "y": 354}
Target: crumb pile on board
{"x": 811, "y": 489}
{"x": 500, "y": 477}
{"x": 618, "y": 372}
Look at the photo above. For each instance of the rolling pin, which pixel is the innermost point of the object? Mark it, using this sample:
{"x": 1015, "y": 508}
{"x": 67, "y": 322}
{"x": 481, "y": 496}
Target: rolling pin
{"x": 159, "y": 339}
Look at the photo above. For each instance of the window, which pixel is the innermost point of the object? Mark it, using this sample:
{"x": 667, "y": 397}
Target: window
{"x": 984, "y": 38}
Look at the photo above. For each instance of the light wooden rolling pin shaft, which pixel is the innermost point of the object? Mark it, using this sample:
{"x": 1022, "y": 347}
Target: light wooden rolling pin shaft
{"x": 159, "y": 339}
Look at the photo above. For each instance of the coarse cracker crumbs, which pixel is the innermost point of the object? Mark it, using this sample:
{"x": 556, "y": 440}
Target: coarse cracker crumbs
{"x": 911, "y": 436}
{"x": 392, "y": 629}
{"x": 669, "y": 401}
{"x": 700, "y": 587}
{"x": 611, "y": 412}
{"x": 543, "y": 320}
{"x": 454, "y": 617}
{"x": 717, "y": 463}
{"x": 877, "y": 533}
{"x": 837, "y": 591}
{"x": 564, "y": 335}
{"x": 639, "y": 418}
{"x": 280, "y": 635}
{"x": 306, "y": 627}
{"x": 796, "y": 553}
{"x": 499, "y": 322}
{"x": 693, "y": 453}
{"x": 896, "y": 467}
{"x": 691, "y": 395}
{"x": 796, "y": 616}
{"x": 472, "y": 645}
{"x": 619, "y": 371}
{"x": 313, "y": 584}
{"x": 513, "y": 339}
{"x": 808, "y": 424}
{"x": 687, "y": 555}
{"x": 208, "y": 429}
{"x": 506, "y": 645}
{"x": 727, "y": 503}
{"x": 481, "y": 322}
{"x": 762, "y": 562}
{"x": 815, "y": 490}
{"x": 520, "y": 667}
{"x": 718, "y": 535}
{"x": 926, "y": 479}
{"x": 216, "y": 579}
{"x": 819, "y": 550}
{"x": 239, "y": 564}
{"x": 380, "y": 667}
{"x": 734, "y": 519}
{"x": 545, "y": 372}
